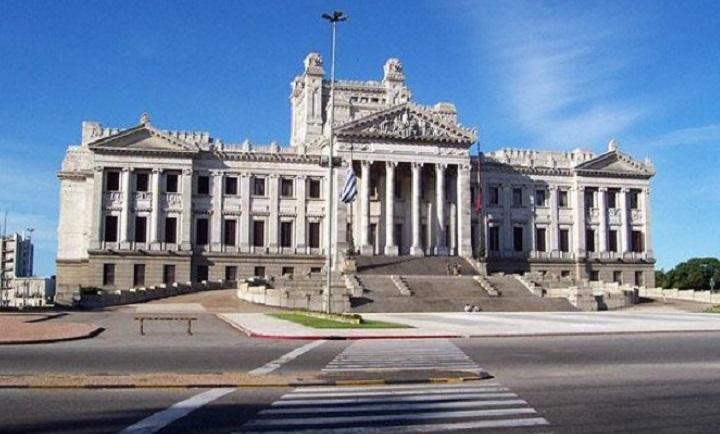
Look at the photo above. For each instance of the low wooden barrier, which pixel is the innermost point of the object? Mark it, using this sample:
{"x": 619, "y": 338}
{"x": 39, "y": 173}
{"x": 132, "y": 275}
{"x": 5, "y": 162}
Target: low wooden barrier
{"x": 144, "y": 318}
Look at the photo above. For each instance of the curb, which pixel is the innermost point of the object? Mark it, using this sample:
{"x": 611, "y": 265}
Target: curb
{"x": 328, "y": 383}
{"x": 89, "y": 335}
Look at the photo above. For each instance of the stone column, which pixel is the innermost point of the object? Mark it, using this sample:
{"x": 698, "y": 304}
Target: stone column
{"x": 440, "y": 236}
{"x": 245, "y": 212}
{"x": 155, "y": 212}
{"x": 603, "y": 226}
{"x": 96, "y": 235}
{"x": 647, "y": 227}
{"x": 554, "y": 219}
{"x": 464, "y": 211}
{"x": 187, "y": 217}
{"x": 300, "y": 213}
{"x": 429, "y": 246}
{"x": 365, "y": 247}
{"x": 216, "y": 230}
{"x": 125, "y": 216}
{"x": 506, "y": 234}
{"x": 624, "y": 226}
{"x": 390, "y": 248}
{"x": 273, "y": 218}
{"x": 416, "y": 247}
{"x": 452, "y": 232}
{"x": 579, "y": 221}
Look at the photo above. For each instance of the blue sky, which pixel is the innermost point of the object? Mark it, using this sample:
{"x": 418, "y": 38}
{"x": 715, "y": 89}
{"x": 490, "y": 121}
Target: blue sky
{"x": 531, "y": 74}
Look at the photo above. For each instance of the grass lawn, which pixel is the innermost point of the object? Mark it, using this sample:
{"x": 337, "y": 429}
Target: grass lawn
{"x": 714, "y": 309}
{"x": 322, "y": 323}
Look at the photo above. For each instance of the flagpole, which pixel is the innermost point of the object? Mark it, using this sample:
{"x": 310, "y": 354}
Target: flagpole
{"x": 336, "y": 17}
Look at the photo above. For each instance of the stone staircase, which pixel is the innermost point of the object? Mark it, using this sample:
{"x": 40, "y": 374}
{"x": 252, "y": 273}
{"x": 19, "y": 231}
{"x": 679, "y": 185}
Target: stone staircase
{"x": 514, "y": 297}
{"x": 412, "y": 265}
{"x": 422, "y": 284}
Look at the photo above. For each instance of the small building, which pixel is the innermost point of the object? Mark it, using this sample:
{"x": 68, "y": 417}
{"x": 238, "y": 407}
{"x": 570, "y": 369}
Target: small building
{"x": 18, "y": 286}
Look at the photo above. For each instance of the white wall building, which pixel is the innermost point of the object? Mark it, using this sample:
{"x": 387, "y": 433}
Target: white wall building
{"x": 144, "y": 206}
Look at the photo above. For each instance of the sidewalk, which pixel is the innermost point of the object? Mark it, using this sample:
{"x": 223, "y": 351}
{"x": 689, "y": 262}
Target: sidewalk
{"x": 18, "y": 328}
{"x": 456, "y": 325}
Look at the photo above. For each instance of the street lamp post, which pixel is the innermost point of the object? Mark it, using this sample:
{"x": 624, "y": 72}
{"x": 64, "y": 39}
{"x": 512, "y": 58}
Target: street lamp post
{"x": 334, "y": 18}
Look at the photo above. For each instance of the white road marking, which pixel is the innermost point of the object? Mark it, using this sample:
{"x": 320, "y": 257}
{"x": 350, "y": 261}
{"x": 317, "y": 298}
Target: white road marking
{"x": 159, "y": 420}
{"x": 395, "y": 409}
{"x": 393, "y": 398}
{"x": 364, "y": 418}
{"x": 394, "y": 406}
{"x": 275, "y": 364}
{"x": 451, "y": 427}
{"x": 395, "y": 355}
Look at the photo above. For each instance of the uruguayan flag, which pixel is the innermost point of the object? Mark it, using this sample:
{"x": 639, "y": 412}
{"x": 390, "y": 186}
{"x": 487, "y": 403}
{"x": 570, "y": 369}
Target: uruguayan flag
{"x": 350, "y": 190}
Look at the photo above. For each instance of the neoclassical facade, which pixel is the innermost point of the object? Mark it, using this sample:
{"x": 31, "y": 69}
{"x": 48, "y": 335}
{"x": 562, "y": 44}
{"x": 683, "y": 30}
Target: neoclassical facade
{"x": 143, "y": 206}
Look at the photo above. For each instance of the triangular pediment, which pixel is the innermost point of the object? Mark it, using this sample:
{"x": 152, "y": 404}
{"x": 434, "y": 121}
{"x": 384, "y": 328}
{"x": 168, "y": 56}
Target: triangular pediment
{"x": 143, "y": 139}
{"x": 407, "y": 122}
{"x": 617, "y": 163}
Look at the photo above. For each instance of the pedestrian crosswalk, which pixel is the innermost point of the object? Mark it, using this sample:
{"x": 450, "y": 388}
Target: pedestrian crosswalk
{"x": 396, "y": 409}
{"x": 408, "y": 354}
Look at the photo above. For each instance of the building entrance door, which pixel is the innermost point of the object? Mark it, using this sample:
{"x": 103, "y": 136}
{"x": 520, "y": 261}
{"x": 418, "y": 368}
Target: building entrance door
{"x": 374, "y": 238}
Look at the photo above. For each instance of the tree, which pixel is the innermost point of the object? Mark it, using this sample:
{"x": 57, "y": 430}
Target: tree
{"x": 695, "y": 273}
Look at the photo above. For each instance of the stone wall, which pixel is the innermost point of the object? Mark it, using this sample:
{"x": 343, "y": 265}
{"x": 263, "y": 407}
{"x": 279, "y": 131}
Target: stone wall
{"x": 682, "y": 294}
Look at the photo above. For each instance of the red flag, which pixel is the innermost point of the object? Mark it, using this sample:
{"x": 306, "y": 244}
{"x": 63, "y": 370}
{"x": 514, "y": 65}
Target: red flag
{"x": 478, "y": 201}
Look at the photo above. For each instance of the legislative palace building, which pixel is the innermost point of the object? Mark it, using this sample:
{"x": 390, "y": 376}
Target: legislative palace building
{"x": 143, "y": 206}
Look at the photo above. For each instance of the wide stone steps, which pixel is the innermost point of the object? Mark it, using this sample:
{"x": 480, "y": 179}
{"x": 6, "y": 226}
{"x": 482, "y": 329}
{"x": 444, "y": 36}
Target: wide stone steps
{"x": 412, "y": 265}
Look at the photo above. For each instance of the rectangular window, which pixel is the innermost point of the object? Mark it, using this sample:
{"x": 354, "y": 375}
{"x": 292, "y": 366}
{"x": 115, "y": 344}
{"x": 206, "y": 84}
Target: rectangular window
{"x": 594, "y": 275}
{"x": 258, "y": 186}
{"x": 168, "y": 274}
{"x": 494, "y": 238}
{"x": 589, "y": 199}
{"x": 171, "y": 182}
{"x": 203, "y": 185}
{"x": 259, "y": 271}
{"x": 617, "y": 276}
{"x": 286, "y": 234}
{"x": 314, "y": 234}
{"x": 141, "y": 181}
{"x": 590, "y": 240}
{"x": 517, "y": 197}
{"x": 540, "y": 240}
{"x": 639, "y": 278}
{"x": 565, "y": 273}
{"x": 518, "y": 238}
{"x": 562, "y": 198}
{"x": 231, "y": 273}
{"x": 108, "y": 274}
{"x": 564, "y": 240}
{"x": 316, "y": 269}
{"x": 201, "y": 273}
{"x": 494, "y": 196}
{"x": 112, "y": 181}
{"x": 287, "y": 187}
{"x": 171, "y": 229}
{"x": 613, "y": 241}
{"x": 638, "y": 242}
{"x": 612, "y": 198}
{"x": 111, "y": 229}
{"x": 540, "y": 197}
{"x": 288, "y": 271}
{"x": 231, "y": 185}
{"x": 201, "y": 231}
{"x": 314, "y": 189}
{"x": 633, "y": 195}
{"x": 138, "y": 275}
{"x": 140, "y": 229}
{"x": 259, "y": 233}
{"x": 230, "y": 229}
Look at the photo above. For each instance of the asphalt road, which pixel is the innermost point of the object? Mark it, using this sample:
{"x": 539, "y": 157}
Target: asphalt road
{"x": 628, "y": 383}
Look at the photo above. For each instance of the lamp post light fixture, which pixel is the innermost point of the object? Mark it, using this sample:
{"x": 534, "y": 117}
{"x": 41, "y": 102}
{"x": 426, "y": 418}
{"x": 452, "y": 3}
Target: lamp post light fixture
{"x": 333, "y": 19}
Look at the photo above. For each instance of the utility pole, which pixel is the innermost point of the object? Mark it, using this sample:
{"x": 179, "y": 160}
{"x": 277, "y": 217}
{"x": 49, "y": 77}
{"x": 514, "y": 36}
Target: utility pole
{"x": 336, "y": 17}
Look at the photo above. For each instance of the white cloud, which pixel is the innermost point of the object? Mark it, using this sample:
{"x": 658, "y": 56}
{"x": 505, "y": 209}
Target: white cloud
{"x": 562, "y": 74}
{"x": 709, "y": 134}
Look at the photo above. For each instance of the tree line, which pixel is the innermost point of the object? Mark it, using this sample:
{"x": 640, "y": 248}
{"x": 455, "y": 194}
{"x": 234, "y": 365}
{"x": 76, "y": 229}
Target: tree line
{"x": 695, "y": 273}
